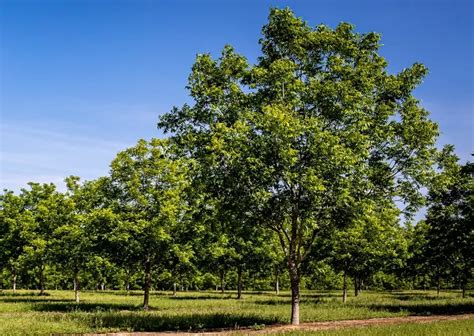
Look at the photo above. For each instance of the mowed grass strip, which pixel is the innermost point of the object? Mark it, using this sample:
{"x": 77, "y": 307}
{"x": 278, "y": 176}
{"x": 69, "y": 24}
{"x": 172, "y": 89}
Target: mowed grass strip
{"x": 26, "y": 313}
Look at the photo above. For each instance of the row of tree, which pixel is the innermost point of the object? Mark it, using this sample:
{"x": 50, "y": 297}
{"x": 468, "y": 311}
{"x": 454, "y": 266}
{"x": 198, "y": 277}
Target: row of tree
{"x": 298, "y": 167}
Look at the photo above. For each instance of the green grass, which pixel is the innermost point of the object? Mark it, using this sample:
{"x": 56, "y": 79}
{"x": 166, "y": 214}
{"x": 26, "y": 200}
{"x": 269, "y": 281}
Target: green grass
{"x": 26, "y": 313}
{"x": 444, "y": 328}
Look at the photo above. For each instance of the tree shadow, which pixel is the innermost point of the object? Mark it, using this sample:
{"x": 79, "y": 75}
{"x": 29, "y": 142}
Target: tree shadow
{"x": 187, "y": 322}
{"x": 191, "y": 298}
{"x": 273, "y": 302}
{"x": 10, "y": 294}
{"x": 426, "y": 309}
{"x": 33, "y": 299}
{"x": 423, "y": 297}
{"x": 131, "y": 293}
{"x": 312, "y": 295}
{"x": 82, "y": 307}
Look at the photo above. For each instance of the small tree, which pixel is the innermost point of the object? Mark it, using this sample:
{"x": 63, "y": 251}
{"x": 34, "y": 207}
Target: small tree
{"x": 13, "y": 220}
{"x": 450, "y": 234}
{"x": 149, "y": 180}
{"x": 49, "y": 210}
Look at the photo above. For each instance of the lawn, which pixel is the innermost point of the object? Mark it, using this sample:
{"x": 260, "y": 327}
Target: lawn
{"x": 444, "y": 328}
{"x": 26, "y": 313}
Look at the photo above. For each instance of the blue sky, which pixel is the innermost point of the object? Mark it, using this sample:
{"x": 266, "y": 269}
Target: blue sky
{"x": 81, "y": 80}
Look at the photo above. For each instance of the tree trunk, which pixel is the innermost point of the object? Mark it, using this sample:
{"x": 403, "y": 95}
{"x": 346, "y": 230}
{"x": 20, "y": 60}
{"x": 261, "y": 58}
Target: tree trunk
{"x": 77, "y": 287}
{"x": 356, "y": 286}
{"x": 239, "y": 283}
{"x": 344, "y": 288}
{"x": 222, "y": 282}
{"x": 146, "y": 294}
{"x": 295, "y": 292}
{"x": 277, "y": 281}
{"x": 14, "y": 276}
{"x": 438, "y": 284}
{"x": 102, "y": 286}
{"x": 174, "y": 288}
{"x": 41, "y": 276}
{"x": 127, "y": 282}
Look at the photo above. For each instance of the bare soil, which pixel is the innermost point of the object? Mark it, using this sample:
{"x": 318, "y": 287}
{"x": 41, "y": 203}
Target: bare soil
{"x": 303, "y": 326}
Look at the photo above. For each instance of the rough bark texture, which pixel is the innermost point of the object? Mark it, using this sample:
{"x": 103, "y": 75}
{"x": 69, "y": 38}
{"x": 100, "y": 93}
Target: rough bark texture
{"x": 295, "y": 293}
{"x": 146, "y": 294}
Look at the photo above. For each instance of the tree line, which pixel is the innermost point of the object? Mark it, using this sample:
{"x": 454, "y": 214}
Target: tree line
{"x": 303, "y": 169}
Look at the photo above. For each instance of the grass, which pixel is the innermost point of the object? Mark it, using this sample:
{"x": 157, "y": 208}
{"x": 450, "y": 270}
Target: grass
{"x": 444, "y": 328}
{"x": 26, "y": 313}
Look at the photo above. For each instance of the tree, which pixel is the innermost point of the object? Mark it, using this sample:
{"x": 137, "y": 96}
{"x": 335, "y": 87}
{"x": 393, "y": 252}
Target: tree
{"x": 49, "y": 210}
{"x": 449, "y": 237}
{"x": 149, "y": 181}
{"x": 74, "y": 240}
{"x": 13, "y": 219}
{"x": 372, "y": 242}
{"x": 314, "y": 122}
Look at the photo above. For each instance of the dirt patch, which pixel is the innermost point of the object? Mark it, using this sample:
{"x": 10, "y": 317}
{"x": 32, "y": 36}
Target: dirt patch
{"x": 304, "y": 326}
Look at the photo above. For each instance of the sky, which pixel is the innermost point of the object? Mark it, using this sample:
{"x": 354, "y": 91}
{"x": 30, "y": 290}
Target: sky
{"x": 82, "y": 80}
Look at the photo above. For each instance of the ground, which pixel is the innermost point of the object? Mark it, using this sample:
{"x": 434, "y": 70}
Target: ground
{"x": 26, "y": 313}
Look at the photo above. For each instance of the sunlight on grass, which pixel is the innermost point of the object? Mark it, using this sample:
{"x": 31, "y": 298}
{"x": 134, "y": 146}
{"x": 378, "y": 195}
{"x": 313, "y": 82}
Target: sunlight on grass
{"x": 26, "y": 313}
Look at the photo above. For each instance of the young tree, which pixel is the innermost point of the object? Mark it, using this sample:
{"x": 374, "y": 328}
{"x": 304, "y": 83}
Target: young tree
{"x": 450, "y": 238}
{"x": 316, "y": 121}
{"x": 13, "y": 220}
{"x": 370, "y": 243}
{"x": 74, "y": 240}
{"x": 49, "y": 210}
{"x": 150, "y": 181}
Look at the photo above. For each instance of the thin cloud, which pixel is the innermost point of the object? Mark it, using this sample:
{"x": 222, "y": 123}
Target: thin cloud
{"x": 48, "y": 155}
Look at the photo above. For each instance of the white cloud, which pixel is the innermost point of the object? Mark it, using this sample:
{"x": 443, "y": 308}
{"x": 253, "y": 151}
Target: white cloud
{"x": 49, "y": 155}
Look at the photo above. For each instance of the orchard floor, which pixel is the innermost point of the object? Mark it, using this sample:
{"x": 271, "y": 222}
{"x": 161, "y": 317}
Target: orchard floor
{"x": 26, "y": 313}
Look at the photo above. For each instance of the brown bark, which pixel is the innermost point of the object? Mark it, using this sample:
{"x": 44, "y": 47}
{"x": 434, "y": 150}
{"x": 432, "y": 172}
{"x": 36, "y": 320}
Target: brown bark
{"x": 239, "y": 283}
{"x": 42, "y": 280}
{"x": 146, "y": 294}
{"x": 438, "y": 284}
{"x": 222, "y": 282}
{"x": 295, "y": 293}
{"x": 277, "y": 281}
{"x": 356, "y": 287}
{"x": 344, "y": 288}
